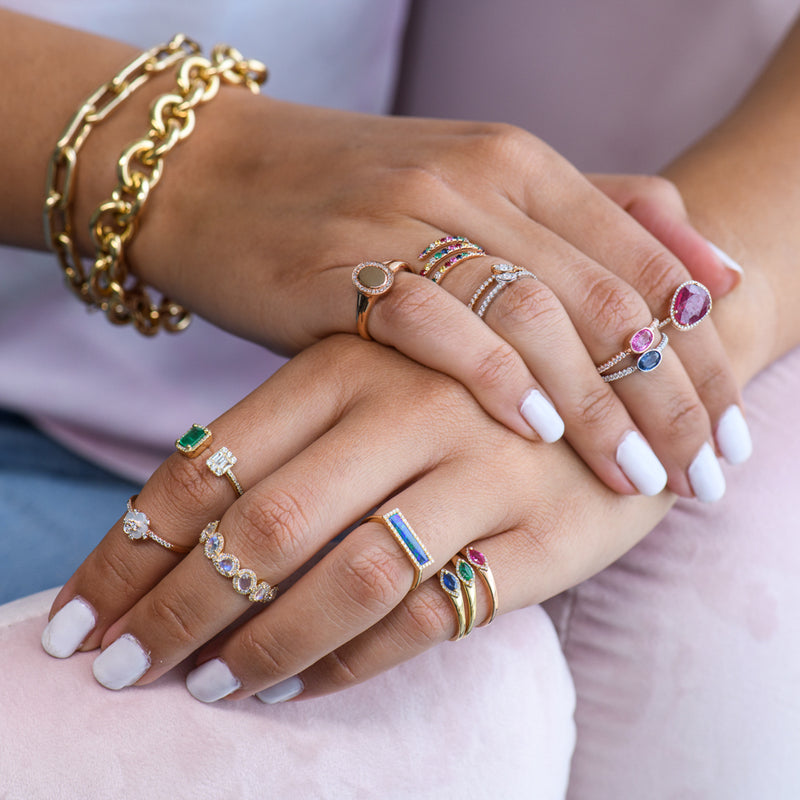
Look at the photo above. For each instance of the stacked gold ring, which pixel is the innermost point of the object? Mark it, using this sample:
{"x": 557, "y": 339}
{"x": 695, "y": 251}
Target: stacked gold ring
{"x": 446, "y": 253}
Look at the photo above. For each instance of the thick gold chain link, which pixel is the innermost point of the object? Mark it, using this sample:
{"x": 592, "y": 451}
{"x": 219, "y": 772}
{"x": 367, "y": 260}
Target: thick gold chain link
{"x": 108, "y": 285}
{"x": 61, "y": 169}
{"x": 139, "y": 169}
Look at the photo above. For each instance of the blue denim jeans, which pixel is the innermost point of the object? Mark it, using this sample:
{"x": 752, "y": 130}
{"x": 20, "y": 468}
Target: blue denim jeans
{"x": 54, "y": 508}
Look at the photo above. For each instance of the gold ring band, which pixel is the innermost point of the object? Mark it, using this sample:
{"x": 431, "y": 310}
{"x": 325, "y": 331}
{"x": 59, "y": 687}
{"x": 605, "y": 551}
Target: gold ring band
{"x": 481, "y": 565}
{"x": 398, "y": 526}
{"x": 452, "y": 588}
{"x": 136, "y": 525}
{"x": 373, "y": 279}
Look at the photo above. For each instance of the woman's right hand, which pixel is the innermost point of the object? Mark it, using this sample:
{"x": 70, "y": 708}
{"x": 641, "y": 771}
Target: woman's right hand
{"x": 272, "y": 233}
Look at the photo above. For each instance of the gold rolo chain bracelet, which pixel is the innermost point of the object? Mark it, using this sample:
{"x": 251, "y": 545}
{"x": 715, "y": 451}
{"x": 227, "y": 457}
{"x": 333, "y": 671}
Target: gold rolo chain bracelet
{"x": 109, "y": 286}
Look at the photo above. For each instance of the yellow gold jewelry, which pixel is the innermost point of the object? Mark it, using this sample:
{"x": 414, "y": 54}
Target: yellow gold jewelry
{"x": 373, "y": 279}
{"x": 398, "y": 526}
{"x": 140, "y": 167}
{"x": 446, "y": 253}
{"x": 452, "y": 587}
{"x": 136, "y": 525}
{"x": 61, "y": 169}
{"x": 195, "y": 441}
{"x": 481, "y": 565}
{"x": 244, "y": 580}
{"x": 466, "y": 575}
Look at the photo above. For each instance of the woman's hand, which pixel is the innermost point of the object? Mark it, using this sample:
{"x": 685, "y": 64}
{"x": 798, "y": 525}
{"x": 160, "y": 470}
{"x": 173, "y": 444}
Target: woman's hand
{"x": 282, "y": 223}
{"x": 375, "y": 431}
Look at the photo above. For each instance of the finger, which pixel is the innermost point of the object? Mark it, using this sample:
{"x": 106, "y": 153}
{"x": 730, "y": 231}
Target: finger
{"x": 183, "y": 494}
{"x": 658, "y": 206}
{"x": 354, "y": 586}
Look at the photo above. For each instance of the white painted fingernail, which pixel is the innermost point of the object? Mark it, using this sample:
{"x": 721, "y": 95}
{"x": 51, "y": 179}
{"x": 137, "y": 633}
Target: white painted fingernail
{"x": 725, "y": 258}
{"x": 705, "y": 476}
{"x": 281, "y": 692}
{"x": 122, "y": 663}
{"x": 212, "y": 681}
{"x": 733, "y": 436}
{"x": 65, "y": 633}
{"x": 539, "y": 413}
{"x": 640, "y": 464}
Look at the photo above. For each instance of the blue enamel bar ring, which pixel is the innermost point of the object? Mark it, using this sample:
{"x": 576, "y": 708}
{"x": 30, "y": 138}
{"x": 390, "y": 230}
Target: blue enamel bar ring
{"x": 399, "y": 527}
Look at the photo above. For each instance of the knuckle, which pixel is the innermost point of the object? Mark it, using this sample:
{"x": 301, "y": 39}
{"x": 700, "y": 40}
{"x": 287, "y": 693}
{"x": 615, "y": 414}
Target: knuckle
{"x": 278, "y": 517}
{"x": 174, "y": 616}
{"x": 340, "y": 670}
{"x": 661, "y": 188}
{"x": 659, "y": 274}
{"x": 429, "y": 618}
{"x": 263, "y": 652}
{"x": 614, "y": 308}
{"x": 502, "y": 141}
{"x": 186, "y": 482}
{"x": 114, "y": 567}
{"x": 373, "y": 577}
{"x": 596, "y": 407}
{"x": 416, "y": 304}
{"x": 529, "y": 304}
{"x": 685, "y": 417}
{"x": 716, "y": 381}
{"x": 492, "y": 368}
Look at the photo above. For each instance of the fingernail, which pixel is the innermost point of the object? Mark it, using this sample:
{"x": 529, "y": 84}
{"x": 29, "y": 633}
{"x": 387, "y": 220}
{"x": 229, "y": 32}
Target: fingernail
{"x": 65, "y": 633}
{"x": 281, "y": 692}
{"x": 541, "y": 416}
{"x": 121, "y": 664}
{"x": 725, "y": 258}
{"x": 640, "y": 464}
{"x": 705, "y": 476}
{"x": 211, "y": 681}
{"x": 733, "y": 436}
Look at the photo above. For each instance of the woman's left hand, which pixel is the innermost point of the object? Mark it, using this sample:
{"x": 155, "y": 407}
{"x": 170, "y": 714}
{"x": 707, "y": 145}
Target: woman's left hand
{"x": 345, "y": 427}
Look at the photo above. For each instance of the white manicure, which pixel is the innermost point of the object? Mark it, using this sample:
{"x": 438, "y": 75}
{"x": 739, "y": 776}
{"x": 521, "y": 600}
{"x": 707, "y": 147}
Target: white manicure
{"x": 281, "y": 692}
{"x": 733, "y": 436}
{"x": 65, "y": 633}
{"x": 211, "y": 681}
{"x": 725, "y": 258}
{"x": 640, "y": 464}
{"x": 121, "y": 664}
{"x": 541, "y": 416}
{"x": 705, "y": 476}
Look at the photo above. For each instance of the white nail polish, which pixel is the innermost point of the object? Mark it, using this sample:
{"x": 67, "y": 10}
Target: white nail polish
{"x": 725, "y": 258}
{"x": 281, "y": 692}
{"x": 67, "y": 630}
{"x": 733, "y": 436}
{"x": 705, "y": 476}
{"x": 640, "y": 464}
{"x": 121, "y": 664}
{"x": 541, "y": 416}
{"x": 211, "y": 681}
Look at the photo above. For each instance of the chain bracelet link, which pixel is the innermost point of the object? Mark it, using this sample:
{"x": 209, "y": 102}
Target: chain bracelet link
{"x": 108, "y": 285}
{"x": 61, "y": 168}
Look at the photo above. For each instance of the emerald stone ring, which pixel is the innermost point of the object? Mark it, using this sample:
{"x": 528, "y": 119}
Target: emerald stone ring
{"x": 244, "y": 580}
{"x": 195, "y": 441}
{"x": 136, "y": 525}
{"x": 399, "y": 527}
{"x": 466, "y": 574}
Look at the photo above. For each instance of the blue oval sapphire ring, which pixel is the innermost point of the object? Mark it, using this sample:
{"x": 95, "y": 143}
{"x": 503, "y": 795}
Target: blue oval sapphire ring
{"x": 646, "y": 362}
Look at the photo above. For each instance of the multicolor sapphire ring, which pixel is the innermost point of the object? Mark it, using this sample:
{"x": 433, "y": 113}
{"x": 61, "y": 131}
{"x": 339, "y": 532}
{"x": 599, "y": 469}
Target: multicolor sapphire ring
{"x": 244, "y": 580}
{"x": 452, "y": 587}
{"x": 480, "y": 564}
{"x": 373, "y": 279}
{"x": 398, "y": 526}
{"x": 502, "y": 275}
{"x": 466, "y": 574}
{"x": 446, "y": 253}
{"x": 136, "y": 525}
{"x": 646, "y": 362}
{"x": 197, "y": 439}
